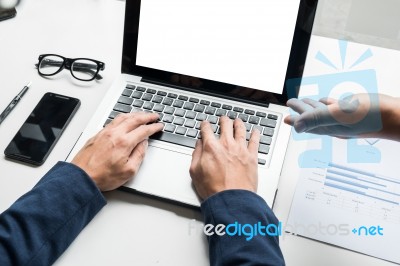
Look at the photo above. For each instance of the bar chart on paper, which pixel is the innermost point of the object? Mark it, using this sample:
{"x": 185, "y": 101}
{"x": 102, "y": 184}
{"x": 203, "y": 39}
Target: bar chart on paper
{"x": 355, "y": 195}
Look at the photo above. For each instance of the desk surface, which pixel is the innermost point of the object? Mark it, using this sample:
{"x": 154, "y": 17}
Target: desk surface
{"x": 131, "y": 229}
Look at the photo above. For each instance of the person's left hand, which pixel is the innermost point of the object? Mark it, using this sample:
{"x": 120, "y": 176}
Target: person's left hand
{"x": 114, "y": 155}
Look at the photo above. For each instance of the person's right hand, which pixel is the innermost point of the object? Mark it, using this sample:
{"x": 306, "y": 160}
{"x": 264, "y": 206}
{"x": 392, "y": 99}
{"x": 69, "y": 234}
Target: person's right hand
{"x": 114, "y": 155}
{"x": 354, "y": 116}
{"x": 225, "y": 163}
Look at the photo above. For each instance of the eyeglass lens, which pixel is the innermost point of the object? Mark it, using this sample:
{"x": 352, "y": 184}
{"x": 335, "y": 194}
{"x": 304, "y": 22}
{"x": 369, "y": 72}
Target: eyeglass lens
{"x": 84, "y": 69}
{"x": 50, "y": 65}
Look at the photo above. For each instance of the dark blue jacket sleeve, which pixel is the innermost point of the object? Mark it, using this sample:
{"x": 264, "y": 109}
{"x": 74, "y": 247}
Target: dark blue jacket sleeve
{"x": 242, "y": 208}
{"x": 40, "y": 225}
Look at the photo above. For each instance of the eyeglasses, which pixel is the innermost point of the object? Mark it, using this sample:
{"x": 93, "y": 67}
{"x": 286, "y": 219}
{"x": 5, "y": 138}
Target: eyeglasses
{"x": 84, "y": 69}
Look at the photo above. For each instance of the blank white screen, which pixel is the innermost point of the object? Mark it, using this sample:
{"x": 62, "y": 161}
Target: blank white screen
{"x": 241, "y": 42}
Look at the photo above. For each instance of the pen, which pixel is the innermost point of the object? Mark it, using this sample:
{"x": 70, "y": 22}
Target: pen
{"x": 13, "y": 103}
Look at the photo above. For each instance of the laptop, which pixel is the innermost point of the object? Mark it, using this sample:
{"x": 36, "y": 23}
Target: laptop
{"x": 198, "y": 60}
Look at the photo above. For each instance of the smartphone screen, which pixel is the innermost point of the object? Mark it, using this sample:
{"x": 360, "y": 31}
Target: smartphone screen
{"x": 41, "y": 131}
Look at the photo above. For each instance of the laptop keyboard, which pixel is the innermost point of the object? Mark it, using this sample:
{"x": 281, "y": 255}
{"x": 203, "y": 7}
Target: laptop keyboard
{"x": 182, "y": 116}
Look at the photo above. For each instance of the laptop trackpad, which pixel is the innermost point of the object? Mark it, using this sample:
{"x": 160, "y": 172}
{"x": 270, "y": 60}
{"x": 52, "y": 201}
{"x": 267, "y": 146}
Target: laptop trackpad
{"x": 165, "y": 173}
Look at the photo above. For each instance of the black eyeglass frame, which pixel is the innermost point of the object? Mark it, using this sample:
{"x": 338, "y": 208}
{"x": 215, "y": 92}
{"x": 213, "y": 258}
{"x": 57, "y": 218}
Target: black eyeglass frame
{"x": 68, "y": 62}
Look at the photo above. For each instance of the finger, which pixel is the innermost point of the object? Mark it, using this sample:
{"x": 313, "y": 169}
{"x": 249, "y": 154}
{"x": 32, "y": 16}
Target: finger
{"x": 240, "y": 131}
{"x": 119, "y": 119}
{"x": 299, "y": 106}
{"x": 137, "y": 156}
{"x": 328, "y": 101}
{"x": 254, "y": 142}
{"x": 314, "y": 103}
{"x": 226, "y": 125}
{"x": 136, "y": 120}
{"x": 196, "y": 155}
{"x": 207, "y": 134}
{"x": 314, "y": 119}
{"x": 291, "y": 119}
{"x": 143, "y": 132}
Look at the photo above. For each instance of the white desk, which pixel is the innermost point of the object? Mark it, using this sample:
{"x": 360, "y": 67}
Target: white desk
{"x": 130, "y": 230}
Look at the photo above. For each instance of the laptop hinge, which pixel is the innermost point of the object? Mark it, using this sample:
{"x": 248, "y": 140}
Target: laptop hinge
{"x": 204, "y": 91}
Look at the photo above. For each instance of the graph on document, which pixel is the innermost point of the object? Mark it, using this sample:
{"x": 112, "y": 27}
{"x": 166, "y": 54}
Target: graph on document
{"x": 355, "y": 190}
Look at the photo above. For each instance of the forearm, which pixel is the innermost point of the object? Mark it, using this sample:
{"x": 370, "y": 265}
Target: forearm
{"x": 243, "y": 207}
{"x": 40, "y": 225}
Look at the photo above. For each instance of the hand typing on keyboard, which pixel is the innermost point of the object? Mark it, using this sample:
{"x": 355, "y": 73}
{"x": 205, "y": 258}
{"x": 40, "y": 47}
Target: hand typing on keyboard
{"x": 115, "y": 154}
{"x": 227, "y": 162}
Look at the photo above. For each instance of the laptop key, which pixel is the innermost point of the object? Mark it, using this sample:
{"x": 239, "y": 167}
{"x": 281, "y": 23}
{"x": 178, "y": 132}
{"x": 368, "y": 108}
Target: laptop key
{"x": 175, "y": 139}
{"x": 192, "y": 133}
{"x": 138, "y": 103}
{"x": 204, "y": 102}
{"x": 108, "y": 121}
{"x": 179, "y": 121}
{"x": 113, "y": 114}
{"x": 180, "y": 131}
{"x": 136, "y": 110}
{"x": 261, "y": 114}
{"x": 212, "y": 119}
{"x": 238, "y": 109}
{"x": 264, "y": 149}
{"x": 227, "y": 107}
{"x": 159, "y": 108}
{"x": 232, "y": 115}
{"x": 183, "y": 98}
{"x": 198, "y": 125}
{"x": 190, "y": 114}
{"x": 180, "y": 112}
{"x": 216, "y": 105}
{"x": 151, "y": 91}
{"x": 162, "y": 93}
{"x": 172, "y": 95}
{"x": 273, "y": 117}
{"x": 249, "y": 112}
{"x": 199, "y": 108}
{"x": 214, "y": 128}
{"x": 194, "y": 100}
{"x": 122, "y": 108}
{"x": 160, "y": 116}
{"x": 190, "y": 123}
{"x": 268, "y": 123}
{"x": 141, "y": 89}
{"x": 268, "y": 132}
{"x": 147, "y": 97}
{"x": 210, "y": 110}
{"x": 178, "y": 103}
{"x": 201, "y": 117}
{"x": 220, "y": 112}
{"x": 188, "y": 106}
{"x": 169, "y": 110}
{"x": 125, "y": 100}
{"x": 168, "y": 118}
{"x": 129, "y": 86}
{"x": 265, "y": 140}
{"x": 169, "y": 128}
{"x": 254, "y": 120}
{"x": 137, "y": 94}
{"x": 157, "y": 99}
{"x": 148, "y": 105}
{"x": 168, "y": 101}
{"x": 262, "y": 161}
{"x": 244, "y": 117}
{"x": 127, "y": 93}
{"x": 248, "y": 127}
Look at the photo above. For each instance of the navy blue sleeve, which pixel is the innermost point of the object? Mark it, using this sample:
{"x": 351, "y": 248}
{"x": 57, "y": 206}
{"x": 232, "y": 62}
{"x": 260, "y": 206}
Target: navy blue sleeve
{"x": 41, "y": 224}
{"x": 245, "y": 241}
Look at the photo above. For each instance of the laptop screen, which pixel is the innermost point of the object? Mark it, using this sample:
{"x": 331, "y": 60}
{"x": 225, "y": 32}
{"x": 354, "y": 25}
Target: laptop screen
{"x": 237, "y": 49}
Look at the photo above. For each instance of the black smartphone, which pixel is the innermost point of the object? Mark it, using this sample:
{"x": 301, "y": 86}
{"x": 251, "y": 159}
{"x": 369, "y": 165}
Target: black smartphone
{"x": 38, "y": 135}
{"x": 7, "y": 13}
